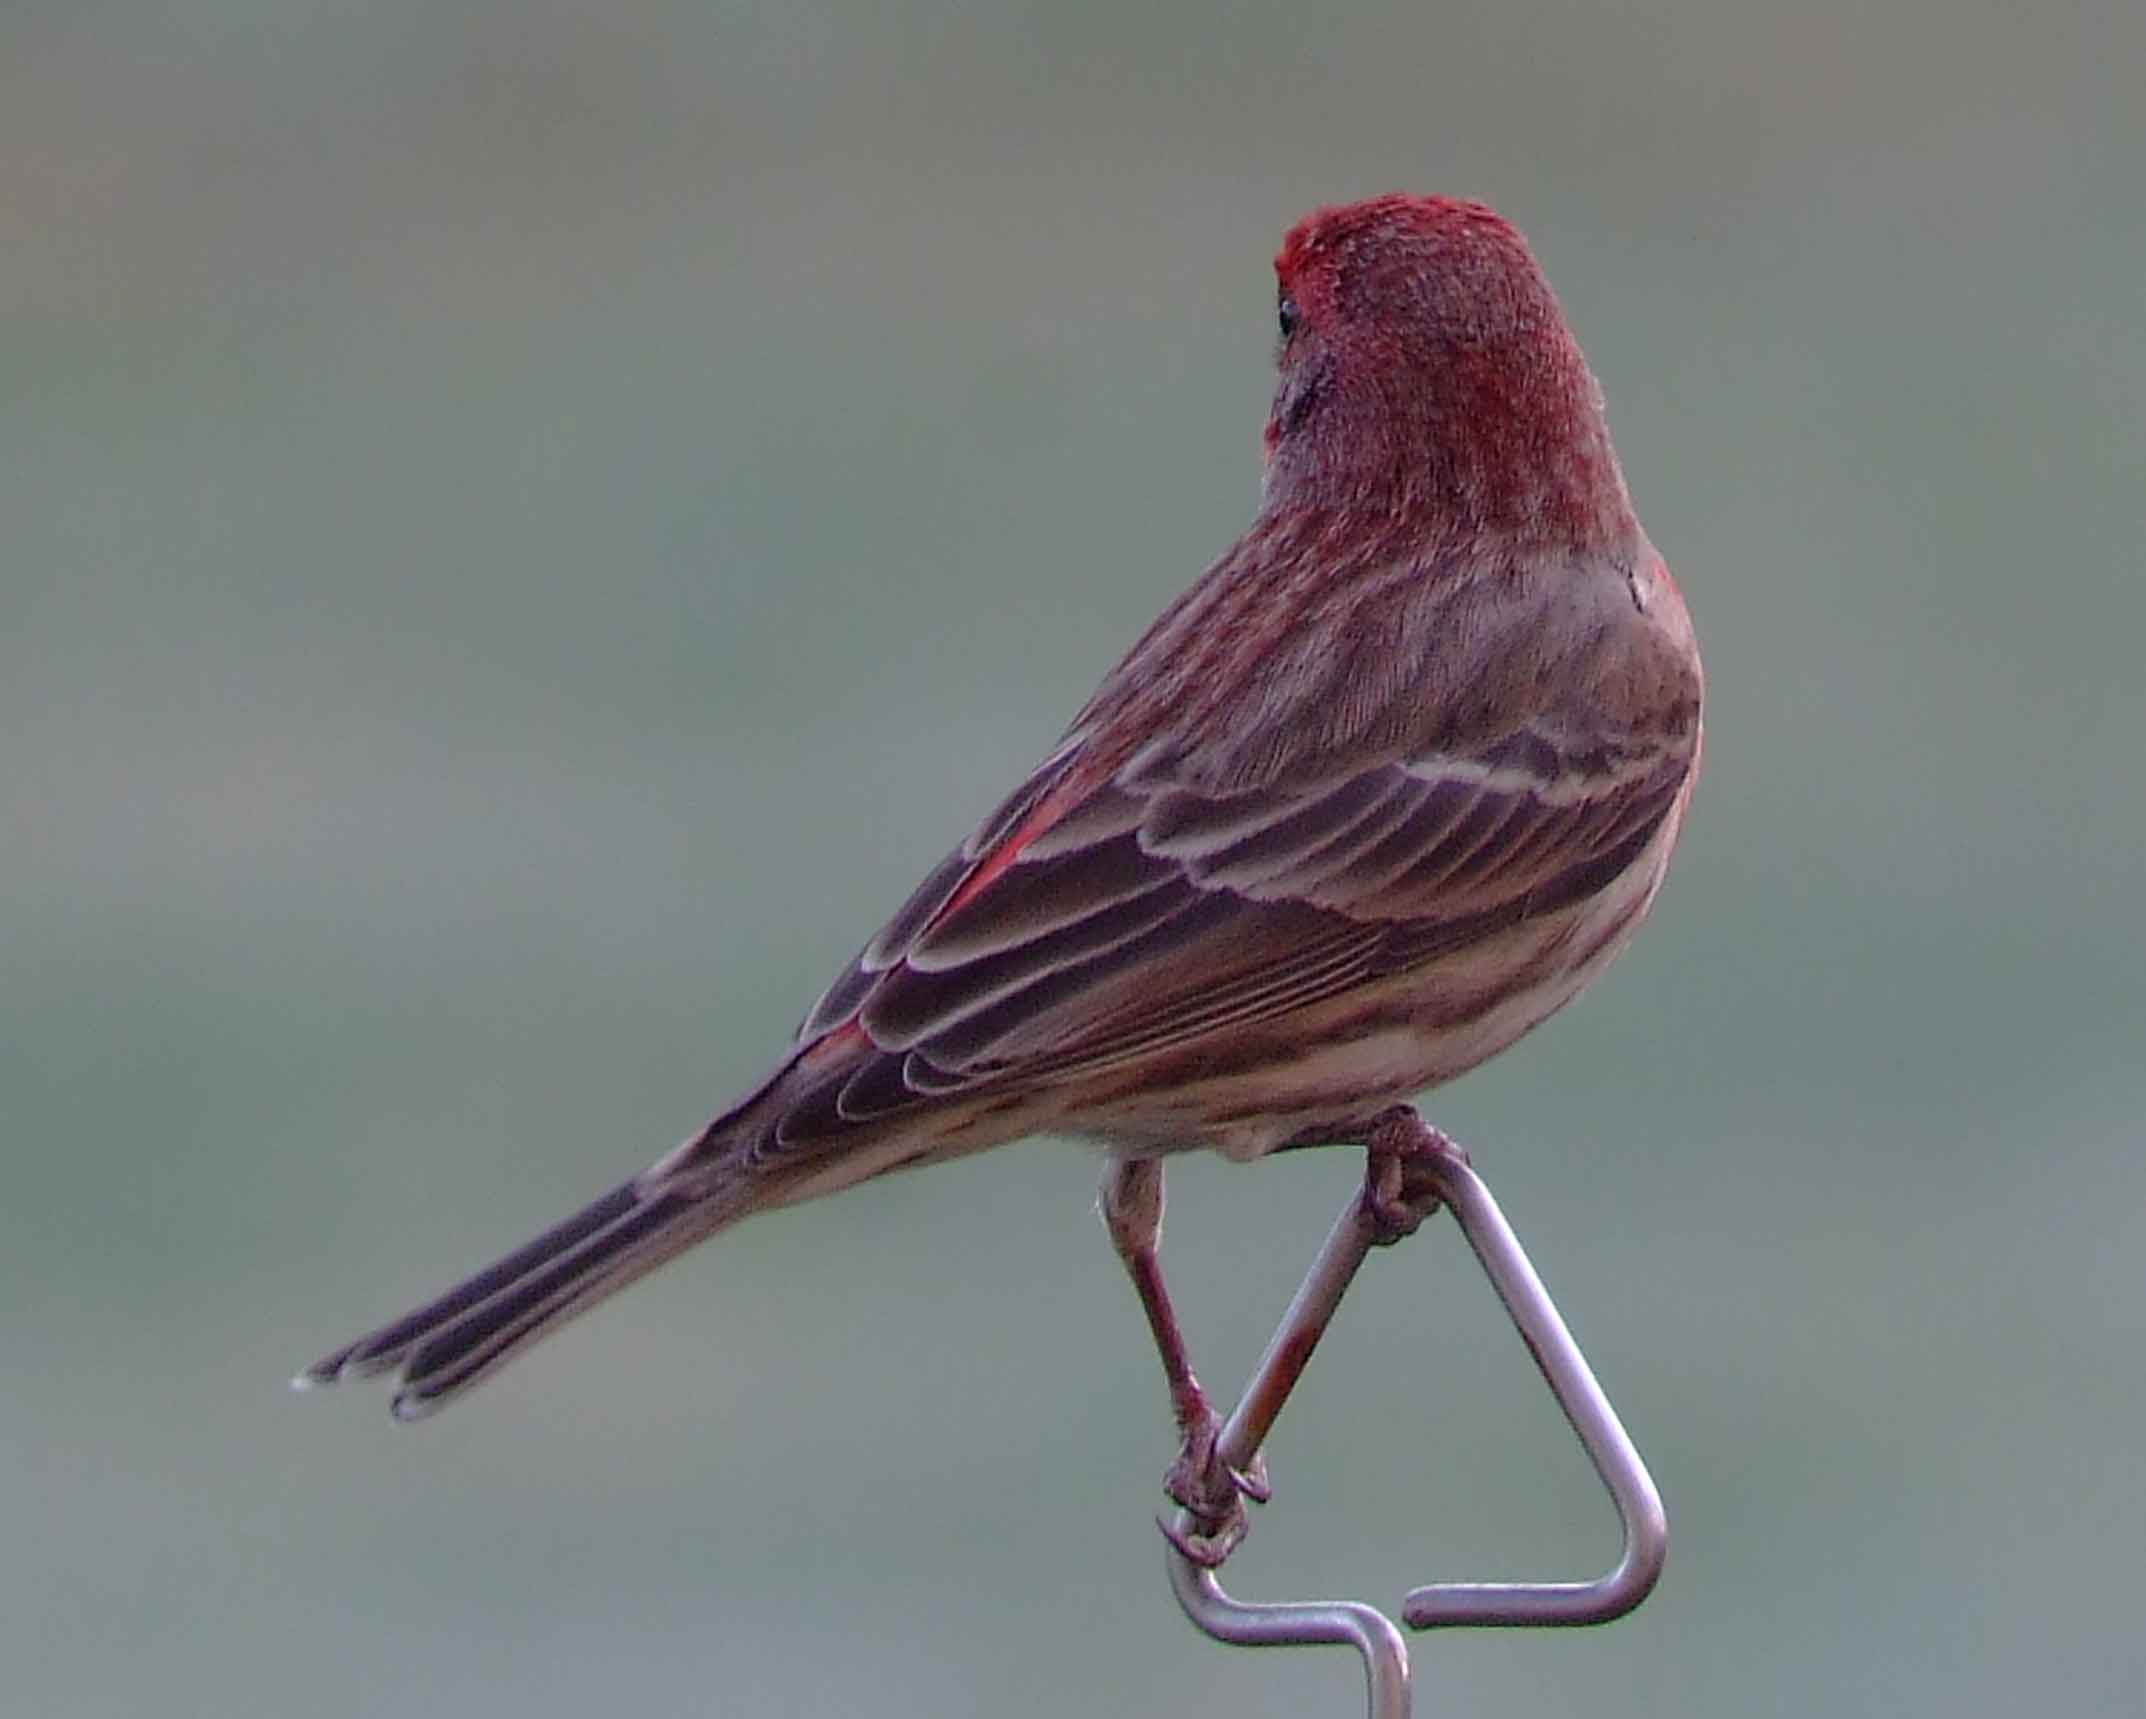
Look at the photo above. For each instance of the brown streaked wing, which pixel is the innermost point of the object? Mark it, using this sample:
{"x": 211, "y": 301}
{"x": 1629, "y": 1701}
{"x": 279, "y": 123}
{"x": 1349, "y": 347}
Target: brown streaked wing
{"x": 1422, "y": 863}
{"x": 1216, "y": 913}
{"x": 840, "y": 1000}
{"x": 1059, "y": 891}
{"x": 914, "y": 1002}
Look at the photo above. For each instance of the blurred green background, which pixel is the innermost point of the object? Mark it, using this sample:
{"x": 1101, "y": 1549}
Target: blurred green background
{"x": 528, "y": 526}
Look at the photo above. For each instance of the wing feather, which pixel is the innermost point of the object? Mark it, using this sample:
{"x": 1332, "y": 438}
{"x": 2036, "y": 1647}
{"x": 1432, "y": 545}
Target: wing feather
{"x": 915, "y": 1003}
{"x": 1056, "y": 894}
{"x": 1146, "y": 916}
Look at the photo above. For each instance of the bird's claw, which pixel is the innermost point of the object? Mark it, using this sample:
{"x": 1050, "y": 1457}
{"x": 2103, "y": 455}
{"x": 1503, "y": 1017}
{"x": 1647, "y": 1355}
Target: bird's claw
{"x": 1212, "y": 1494}
{"x": 1399, "y": 1192}
{"x": 1207, "y": 1550}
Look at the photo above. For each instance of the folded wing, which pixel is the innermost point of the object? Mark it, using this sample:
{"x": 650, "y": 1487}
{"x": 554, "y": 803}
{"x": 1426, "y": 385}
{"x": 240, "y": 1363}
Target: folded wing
{"x": 1080, "y": 930}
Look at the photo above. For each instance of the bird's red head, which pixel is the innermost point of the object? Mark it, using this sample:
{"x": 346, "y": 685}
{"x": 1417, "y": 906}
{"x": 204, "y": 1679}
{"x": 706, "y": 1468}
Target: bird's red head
{"x": 1426, "y": 371}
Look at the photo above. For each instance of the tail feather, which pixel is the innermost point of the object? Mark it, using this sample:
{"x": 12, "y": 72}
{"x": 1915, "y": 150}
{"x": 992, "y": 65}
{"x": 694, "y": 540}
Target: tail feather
{"x": 453, "y": 1341}
{"x": 379, "y": 1350}
{"x": 453, "y": 1359}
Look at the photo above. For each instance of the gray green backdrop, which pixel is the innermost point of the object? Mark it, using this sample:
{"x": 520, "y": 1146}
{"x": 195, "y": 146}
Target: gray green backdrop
{"x": 527, "y": 526}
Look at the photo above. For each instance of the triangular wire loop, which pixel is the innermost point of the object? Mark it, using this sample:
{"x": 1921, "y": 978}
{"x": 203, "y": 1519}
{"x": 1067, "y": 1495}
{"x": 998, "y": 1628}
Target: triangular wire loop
{"x": 1440, "y": 1604}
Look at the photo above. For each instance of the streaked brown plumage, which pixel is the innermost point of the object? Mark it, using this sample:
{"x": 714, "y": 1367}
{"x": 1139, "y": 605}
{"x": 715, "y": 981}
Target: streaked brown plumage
{"x": 1380, "y": 792}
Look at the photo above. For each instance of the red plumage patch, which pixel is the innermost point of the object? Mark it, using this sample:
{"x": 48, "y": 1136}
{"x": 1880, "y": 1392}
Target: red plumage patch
{"x": 1048, "y": 811}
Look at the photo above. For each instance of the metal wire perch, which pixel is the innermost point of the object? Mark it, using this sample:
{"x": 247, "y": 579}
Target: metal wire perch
{"x": 1438, "y": 1604}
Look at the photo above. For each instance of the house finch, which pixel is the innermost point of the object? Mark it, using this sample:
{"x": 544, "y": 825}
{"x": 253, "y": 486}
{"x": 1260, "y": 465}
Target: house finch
{"x": 1380, "y": 792}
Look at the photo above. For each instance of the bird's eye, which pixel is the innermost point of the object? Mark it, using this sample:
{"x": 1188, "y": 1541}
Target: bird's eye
{"x": 1287, "y": 314}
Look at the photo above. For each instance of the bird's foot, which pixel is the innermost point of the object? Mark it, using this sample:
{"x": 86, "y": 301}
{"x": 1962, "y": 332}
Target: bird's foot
{"x": 1211, "y": 1492}
{"x": 1400, "y": 1187}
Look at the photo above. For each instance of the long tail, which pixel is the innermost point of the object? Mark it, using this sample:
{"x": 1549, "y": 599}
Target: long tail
{"x": 449, "y": 1344}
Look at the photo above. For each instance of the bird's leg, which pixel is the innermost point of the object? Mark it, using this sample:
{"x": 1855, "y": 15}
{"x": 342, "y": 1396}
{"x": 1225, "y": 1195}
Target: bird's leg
{"x": 1212, "y": 1491}
{"x": 1398, "y": 1196}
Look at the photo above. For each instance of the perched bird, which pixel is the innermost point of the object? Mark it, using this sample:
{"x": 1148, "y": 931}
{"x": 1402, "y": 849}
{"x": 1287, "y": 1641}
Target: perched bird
{"x": 1385, "y": 788}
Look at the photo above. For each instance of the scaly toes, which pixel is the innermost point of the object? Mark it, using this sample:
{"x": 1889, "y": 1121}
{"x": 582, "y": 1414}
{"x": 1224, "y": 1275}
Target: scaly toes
{"x": 1209, "y": 1548}
{"x": 1199, "y": 1479}
{"x": 1400, "y": 1187}
{"x": 1212, "y": 1494}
